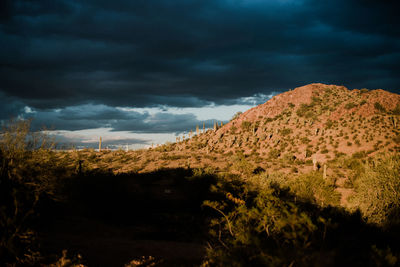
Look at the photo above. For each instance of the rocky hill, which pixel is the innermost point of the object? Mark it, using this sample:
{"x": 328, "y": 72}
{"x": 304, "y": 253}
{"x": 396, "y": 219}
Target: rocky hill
{"x": 313, "y": 121}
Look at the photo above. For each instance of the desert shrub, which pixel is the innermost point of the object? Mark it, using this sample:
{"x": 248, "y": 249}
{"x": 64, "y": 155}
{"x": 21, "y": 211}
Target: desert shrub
{"x": 396, "y": 111}
{"x": 259, "y": 228}
{"x": 267, "y": 120}
{"x": 308, "y": 153}
{"x": 303, "y": 110}
{"x": 241, "y": 165}
{"x": 29, "y": 174}
{"x": 324, "y": 151}
{"x": 359, "y": 155}
{"x": 237, "y": 115}
{"x": 289, "y": 157}
{"x": 315, "y": 100}
{"x": 378, "y": 106}
{"x": 286, "y": 131}
{"x": 329, "y": 124}
{"x": 274, "y": 153}
{"x": 378, "y": 190}
{"x": 350, "y": 106}
{"x": 246, "y": 125}
{"x": 311, "y": 187}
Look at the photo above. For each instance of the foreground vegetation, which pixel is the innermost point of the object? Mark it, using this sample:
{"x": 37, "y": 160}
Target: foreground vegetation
{"x": 72, "y": 208}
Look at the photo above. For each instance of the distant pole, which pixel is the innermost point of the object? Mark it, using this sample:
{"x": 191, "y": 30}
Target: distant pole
{"x": 100, "y": 144}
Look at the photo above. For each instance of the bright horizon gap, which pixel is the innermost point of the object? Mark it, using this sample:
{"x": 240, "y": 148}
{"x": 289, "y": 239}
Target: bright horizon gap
{"x": 136, "y": 140}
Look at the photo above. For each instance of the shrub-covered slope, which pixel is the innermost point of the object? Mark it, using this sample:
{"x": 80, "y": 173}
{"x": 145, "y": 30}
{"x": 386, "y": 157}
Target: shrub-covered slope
{"x": 313, "y": 121}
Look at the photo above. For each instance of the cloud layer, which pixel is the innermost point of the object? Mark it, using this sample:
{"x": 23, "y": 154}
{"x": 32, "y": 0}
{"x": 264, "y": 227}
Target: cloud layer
{"x": 59, "y": 54}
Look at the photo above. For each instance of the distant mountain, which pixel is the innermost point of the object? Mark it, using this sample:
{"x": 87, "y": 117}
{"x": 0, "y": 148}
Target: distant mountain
{"x": 313, "y": 121}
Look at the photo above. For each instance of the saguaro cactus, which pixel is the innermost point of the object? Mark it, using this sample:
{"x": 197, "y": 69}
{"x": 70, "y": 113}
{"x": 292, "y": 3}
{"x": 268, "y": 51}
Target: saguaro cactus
{"x": 100, "y": 144}
{"x": 314, "y": 161}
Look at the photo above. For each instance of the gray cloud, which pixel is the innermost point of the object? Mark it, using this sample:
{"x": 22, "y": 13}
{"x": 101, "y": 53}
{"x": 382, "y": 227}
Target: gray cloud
{"x": 100, "y": 116}
{"x": 10, "y": 107}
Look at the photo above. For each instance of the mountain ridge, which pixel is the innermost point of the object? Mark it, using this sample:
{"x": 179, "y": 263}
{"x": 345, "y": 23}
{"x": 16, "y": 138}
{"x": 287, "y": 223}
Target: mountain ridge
{"x": 349, "y": 119}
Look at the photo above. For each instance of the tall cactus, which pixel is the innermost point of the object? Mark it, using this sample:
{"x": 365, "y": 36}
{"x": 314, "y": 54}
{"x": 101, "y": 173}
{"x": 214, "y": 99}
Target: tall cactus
{"x": 100, "y": 144}
{"x": 314, "y": 163}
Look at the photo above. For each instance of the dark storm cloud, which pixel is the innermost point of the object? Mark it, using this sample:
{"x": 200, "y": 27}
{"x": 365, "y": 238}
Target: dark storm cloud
{"x": 10, "y": 107}
{"x": 59, "y": 53}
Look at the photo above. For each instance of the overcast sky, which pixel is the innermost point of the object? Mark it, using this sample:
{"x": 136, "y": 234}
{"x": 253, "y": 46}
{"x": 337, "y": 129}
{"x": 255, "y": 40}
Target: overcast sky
{"x": 159, "y": 67}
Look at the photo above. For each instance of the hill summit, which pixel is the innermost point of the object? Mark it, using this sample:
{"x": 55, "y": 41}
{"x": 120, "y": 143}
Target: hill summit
{"x": 314, "y": 121}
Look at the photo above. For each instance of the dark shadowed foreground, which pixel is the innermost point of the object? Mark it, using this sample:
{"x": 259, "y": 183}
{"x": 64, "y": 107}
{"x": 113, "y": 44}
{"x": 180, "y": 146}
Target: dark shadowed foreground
{"x": 113, "y": 219}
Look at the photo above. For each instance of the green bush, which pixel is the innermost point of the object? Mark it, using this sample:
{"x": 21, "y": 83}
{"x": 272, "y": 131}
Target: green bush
{"x": 258, "y": 229}
{"x": 378, "y": 106}
{"x": 311, "y": 187}
{"x": 304, "y": 110}
{"x": 350, "y": 106}
{"x": 286, "y": 131}
{"x": 241, "y": 165}
{"x": 246, "y": 125}
{"x": 378, "y": 190}
{"x": 329, "y": 124}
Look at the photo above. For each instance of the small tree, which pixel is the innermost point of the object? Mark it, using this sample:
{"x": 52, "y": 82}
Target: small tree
{"x": 28, "y": 172}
